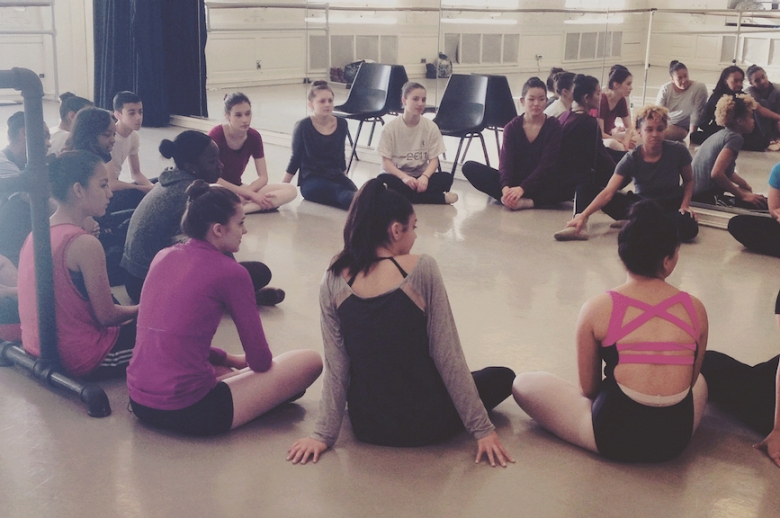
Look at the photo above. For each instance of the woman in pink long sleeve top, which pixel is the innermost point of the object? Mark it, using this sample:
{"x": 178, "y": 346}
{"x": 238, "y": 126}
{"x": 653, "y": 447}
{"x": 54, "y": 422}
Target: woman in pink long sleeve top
{"x": 176, "y": 379}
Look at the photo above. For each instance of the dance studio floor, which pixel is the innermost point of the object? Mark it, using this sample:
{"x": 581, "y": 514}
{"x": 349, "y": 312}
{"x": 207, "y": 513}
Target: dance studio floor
{"x": 515, "y": 293}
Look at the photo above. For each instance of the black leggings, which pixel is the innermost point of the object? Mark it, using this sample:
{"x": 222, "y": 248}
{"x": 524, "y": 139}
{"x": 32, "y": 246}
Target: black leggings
{"x": 494, "y": 385}
{"x": 483, "y": 178}
{"x": 758, "y": 234}
{"x": 748, "y": 393}
{"x": 621, "y": 203}
{"x": 438, "y": 184}
{"x": 259, "y": 272}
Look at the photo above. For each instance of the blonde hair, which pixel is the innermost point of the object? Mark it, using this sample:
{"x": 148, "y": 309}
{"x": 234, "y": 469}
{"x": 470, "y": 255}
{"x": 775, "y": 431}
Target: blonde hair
{"x": 731, "y": 108}
{"x": 652, "y": 112}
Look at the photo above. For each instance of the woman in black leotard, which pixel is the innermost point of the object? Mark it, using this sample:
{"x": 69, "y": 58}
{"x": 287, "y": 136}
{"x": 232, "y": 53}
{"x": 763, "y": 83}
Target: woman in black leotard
{"x": 651, "y": 338}
{"x": 391, "y": 346}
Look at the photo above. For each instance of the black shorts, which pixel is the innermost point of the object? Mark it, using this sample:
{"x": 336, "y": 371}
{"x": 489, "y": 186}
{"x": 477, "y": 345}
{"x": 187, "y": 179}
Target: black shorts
{"x": 211, "y": 415}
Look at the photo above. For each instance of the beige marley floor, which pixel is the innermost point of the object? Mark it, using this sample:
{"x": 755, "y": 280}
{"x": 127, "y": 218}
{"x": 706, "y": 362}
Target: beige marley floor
{"x": 515, "y": 293}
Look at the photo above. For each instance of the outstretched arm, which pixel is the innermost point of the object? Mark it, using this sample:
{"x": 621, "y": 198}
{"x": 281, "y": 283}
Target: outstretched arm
{"x": 604, "y": 197}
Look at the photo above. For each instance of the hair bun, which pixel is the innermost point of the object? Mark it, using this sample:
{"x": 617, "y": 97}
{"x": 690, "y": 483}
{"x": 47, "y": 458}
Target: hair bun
{"x": 167, "y": 148}
{"x": 673, "y": 62}
{"x": 319, "y": 82}
{"x": 197, "y": 189}
{"x": 66, "y": 96}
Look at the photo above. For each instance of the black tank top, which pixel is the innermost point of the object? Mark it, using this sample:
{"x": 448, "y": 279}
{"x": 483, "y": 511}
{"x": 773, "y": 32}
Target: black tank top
{"x": 396, "y": 396}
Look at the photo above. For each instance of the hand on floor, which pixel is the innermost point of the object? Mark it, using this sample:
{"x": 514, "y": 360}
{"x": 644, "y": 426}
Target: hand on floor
{"x": 303, "y": 448}
{"x": 771, "y": 446}
{"x": 492, "y": 447}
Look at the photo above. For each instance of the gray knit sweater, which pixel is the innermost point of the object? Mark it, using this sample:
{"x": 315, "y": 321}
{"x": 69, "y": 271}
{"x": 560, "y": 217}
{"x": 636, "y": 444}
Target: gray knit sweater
{"x": 156, "y": 222}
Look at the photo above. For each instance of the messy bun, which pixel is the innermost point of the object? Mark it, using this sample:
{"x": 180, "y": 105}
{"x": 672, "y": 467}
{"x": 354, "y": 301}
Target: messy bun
{"x": 185, "y": 148}
{"x": 675, "y": 65}
{"x": 206, "y": 205}
{"x": 648, "y": 238}
{"x": 319, "y": 86}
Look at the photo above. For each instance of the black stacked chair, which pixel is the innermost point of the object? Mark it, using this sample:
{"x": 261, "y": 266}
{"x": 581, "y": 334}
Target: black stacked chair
{"x": 461, "y": 113}
{"x": 367, "y": 101}
{"x": 500, "y": 107}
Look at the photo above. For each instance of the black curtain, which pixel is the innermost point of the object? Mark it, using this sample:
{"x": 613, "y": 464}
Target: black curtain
{"x": 113, "y": 50}
{"x": 155, "y": 48}
{"x": 185, "y": 56}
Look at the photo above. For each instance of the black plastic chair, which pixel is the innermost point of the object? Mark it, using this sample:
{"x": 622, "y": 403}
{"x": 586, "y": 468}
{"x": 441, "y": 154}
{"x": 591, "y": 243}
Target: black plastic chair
{"x": 398, "y": 79}
{"x": 461, "y": 113}
{"x": 500, "y": 107}
{"x": 367, "y": 101}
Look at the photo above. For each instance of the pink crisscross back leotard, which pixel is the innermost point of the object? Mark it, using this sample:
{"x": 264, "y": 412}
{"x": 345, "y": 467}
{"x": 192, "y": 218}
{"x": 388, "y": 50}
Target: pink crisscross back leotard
{"x": 618, "y": 331}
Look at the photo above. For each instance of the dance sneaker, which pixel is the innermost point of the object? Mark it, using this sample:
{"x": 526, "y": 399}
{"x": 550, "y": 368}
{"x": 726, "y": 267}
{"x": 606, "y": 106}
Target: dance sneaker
{"x": 570, "y": 234}
{"x": 269, "y": 296}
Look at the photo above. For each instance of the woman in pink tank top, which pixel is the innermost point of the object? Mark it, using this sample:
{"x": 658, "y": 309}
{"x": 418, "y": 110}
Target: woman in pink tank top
{"x": 95, "y": 335}
{"x": 651, "y": 337}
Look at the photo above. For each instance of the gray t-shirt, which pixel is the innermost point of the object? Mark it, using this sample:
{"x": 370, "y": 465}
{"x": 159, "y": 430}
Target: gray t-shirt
{"x": 708, "y": 153}
{"x": 425, "y": 287}
{"x": 685, "y": 108}
{"x": 660, "y": 179}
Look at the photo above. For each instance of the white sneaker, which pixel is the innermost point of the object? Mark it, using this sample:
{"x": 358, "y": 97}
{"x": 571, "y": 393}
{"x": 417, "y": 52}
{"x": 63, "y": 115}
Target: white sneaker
{"x": 570, "y": 234}
{"x": 450, "y": 197}
{"x": 522, "y": 204}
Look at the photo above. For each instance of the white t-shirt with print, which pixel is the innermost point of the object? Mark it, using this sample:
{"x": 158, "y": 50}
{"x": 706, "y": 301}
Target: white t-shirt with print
{"x": 411, "y": 148}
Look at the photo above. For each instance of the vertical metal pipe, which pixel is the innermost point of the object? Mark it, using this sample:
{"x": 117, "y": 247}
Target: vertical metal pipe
{"x": 647, "y": 54}
{"x": 736, "y": 42}
{"x": 54, "y": 52}
{"x": 37, "y": 171}
{"x": 327, "y": 36}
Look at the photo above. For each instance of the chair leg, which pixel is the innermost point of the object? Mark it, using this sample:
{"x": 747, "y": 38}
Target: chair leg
{"x": 354, "y": 147}
{"x": 468, "y": 145}
{"x": 457, "y": 155}
{"x": 373, "y": 127}
{"x": 498, "y": 142}
{"x": 484, "y": 149}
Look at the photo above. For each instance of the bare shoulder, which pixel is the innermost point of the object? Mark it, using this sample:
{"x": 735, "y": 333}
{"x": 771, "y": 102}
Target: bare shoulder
{"x": 701, "y": 311}
{"x": 596, "y": 306}
{"x": 85, "y": 247}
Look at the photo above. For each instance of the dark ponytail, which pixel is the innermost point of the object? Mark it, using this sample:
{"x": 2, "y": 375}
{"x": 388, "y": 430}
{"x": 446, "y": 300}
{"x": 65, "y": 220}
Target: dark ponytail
{"x": 207, "y": 205}
{"x": 648, "y": 238}
{"x": 373, "y": 210}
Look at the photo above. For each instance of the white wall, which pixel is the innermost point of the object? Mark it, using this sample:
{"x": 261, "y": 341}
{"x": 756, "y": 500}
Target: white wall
{"x": 73, "y": 23}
